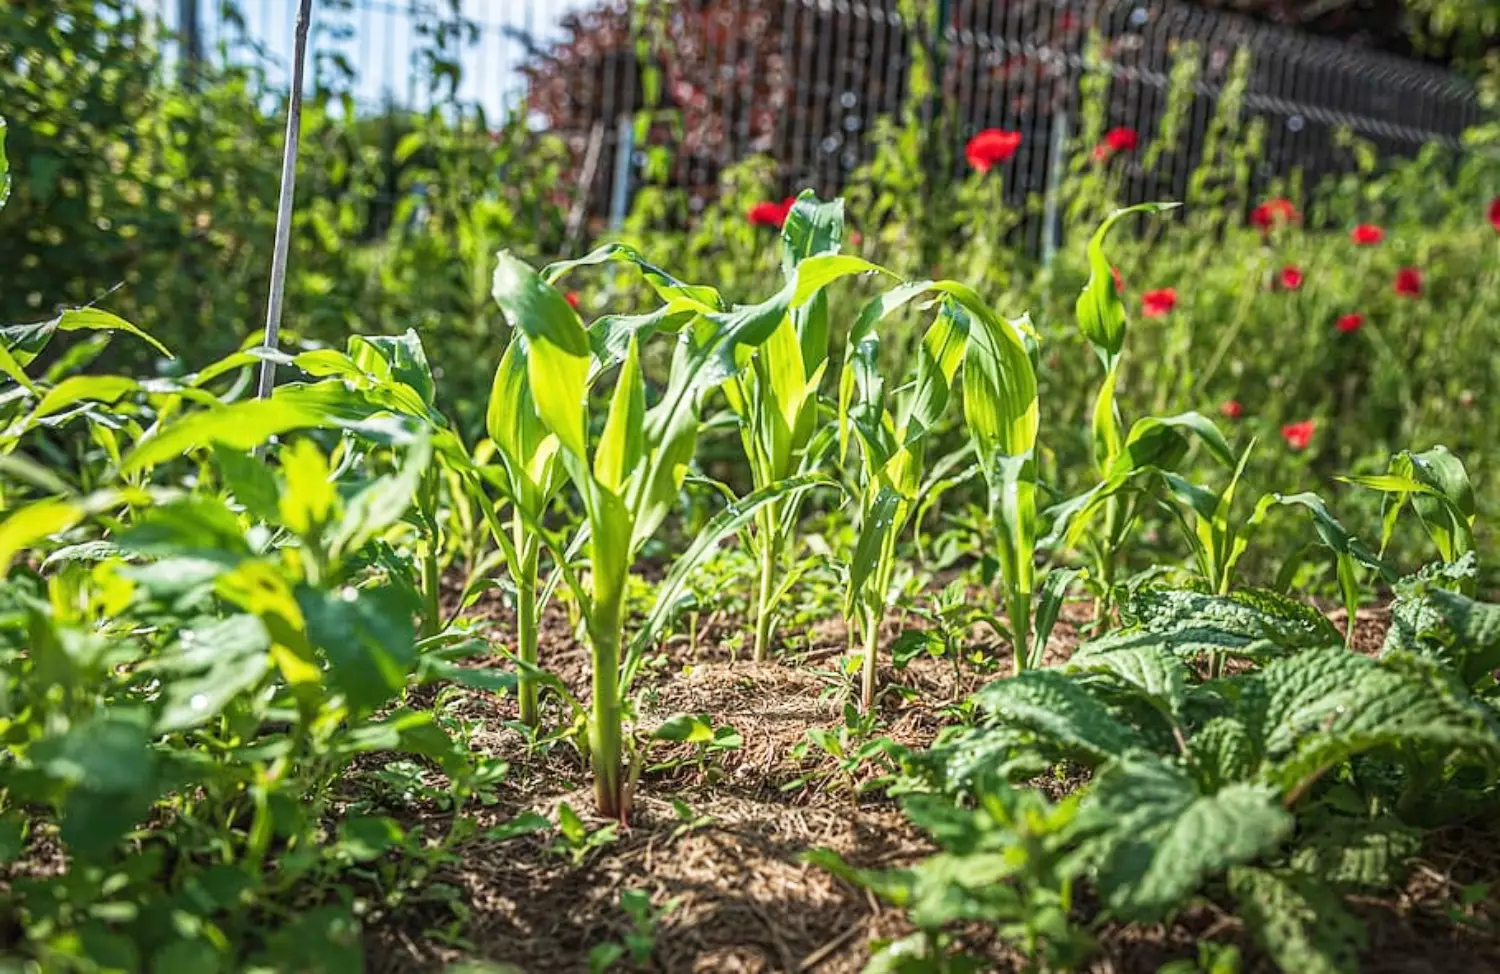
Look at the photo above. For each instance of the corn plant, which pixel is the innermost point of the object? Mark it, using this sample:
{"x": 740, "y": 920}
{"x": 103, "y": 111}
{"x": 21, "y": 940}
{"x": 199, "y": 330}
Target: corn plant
{"x": 776, "y": 400}
{"x": 1129, "y": 465}
{"x": 1000, "y": 403}
{"x": 631, "y": 477}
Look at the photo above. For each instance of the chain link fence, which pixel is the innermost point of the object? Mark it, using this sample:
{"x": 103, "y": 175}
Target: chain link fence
{"x": 805, "y": 82}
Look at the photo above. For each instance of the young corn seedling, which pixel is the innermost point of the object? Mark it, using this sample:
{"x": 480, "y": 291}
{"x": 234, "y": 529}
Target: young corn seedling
{"x": 1000, "y": 402}
{"x": 532, "y": 472}
{"x": 632, "y": 475}
{"x": 776, "y": 400}
{"x": 1127, "y": 465}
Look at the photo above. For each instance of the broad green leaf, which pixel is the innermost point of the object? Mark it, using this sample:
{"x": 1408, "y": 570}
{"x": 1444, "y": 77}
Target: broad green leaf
{"x": 368, "y": 640}
{"x": 557, "y": 348}
{"x": 240, "y": 426}
{"x": 1326, "y": 706}
{"x": 381, "y": 504}
{"x": 309, "y": 499}
{"x": 1162, "y": 443}
{"x": 1239, "y": 619}
{"x": 261, "y": 589}
{"x": 1157, "y": 837}
{"x": 106, "y": 754}
{"x": 1101, "y": 313}
{"x": 1448, "y": 626}
{"x": 1151, "y": 670}
{"x": 685, "y": 728}
{"x": 250, "y": 481}
{"x": 95, "y": 319}
{"x": 108, "y": 389}
{"x": 1060, "y": 711}
{"x": 623, "y": 442}
{"x": 1298, "y": 921}
{"x": 403, "y": 356}
{"x": 667, "y": 287}
{"x": 1356, "y": 854}
{"x": 209, "y": 667}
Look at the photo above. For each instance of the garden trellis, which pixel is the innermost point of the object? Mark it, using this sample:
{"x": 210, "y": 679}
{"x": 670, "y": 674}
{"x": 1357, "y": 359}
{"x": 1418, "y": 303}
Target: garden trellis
{"x": 806, "y": 81}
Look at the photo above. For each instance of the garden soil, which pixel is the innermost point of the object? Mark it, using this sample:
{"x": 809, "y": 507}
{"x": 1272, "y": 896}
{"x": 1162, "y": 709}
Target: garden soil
{"x": 722, "y": 841}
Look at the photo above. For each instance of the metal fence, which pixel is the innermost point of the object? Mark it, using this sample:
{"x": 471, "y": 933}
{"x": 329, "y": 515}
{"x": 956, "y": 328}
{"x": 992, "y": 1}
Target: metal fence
{"x": 805, "y": 81}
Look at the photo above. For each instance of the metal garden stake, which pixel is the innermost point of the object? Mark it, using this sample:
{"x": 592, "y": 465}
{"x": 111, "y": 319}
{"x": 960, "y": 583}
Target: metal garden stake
{"x": 284, "y": 207}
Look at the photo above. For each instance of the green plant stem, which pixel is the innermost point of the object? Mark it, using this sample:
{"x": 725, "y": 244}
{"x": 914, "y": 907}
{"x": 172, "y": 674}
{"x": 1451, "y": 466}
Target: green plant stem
{"x": 872, "y": 650}
{"x": 605, "y": 752}
{"x": 431, "y": 581}
{"x": 1020, "y": 624}
{"x": 770, "y": 551}
{"x": 526, "y": 626}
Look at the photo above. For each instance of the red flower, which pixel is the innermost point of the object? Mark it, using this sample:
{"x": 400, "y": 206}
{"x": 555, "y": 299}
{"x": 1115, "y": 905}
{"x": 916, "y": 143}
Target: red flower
{"x": 856, "y": 238}
{"x": 1117, "y": 140}
{"x": 770, "y": 214}
{"x": 1155, "y": 304}
{"x": 1232, "y": 409}
{"x": 1274, "y": 212}
{"x": 1350, "y": 323}
{"x": 990, "y": 147}
{"x": 1291, "y": 277}
{"x": 572, "y": 299}
{"x": 1495, "y": 213}
{"x": 1366, "y": 234}
{"x": 1409, "y": 282}
{"x": 1298, "y": 435}
{"x": 1114, "y": 272}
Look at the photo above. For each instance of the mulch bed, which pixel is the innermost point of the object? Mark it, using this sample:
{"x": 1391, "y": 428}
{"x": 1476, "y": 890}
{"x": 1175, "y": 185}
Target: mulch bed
{"x": 744, "y": 899}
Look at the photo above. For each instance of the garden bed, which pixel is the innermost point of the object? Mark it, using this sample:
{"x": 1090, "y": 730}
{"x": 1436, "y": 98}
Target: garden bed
{"x": 746, "y": 901}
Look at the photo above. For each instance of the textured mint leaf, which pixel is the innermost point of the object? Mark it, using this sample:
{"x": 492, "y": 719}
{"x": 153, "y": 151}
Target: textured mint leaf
{"x": 1326, "y": 710}
{"x": 1223, "y": 752}
{"x": 1356, "y": 853}
{"x": 1156, "y": 837}
{"x": 1448, "y": 626}
{"x": 1299, "y": 922}
{"x": 1061, "y": 712}
{"x": 1152, "y": 671}
{"x": 982, "y": 754}
{"x": 1252, "y": 621}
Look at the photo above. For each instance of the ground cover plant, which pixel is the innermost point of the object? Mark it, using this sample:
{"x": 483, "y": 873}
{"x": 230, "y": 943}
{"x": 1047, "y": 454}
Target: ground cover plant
{"x": 321, "y": 682}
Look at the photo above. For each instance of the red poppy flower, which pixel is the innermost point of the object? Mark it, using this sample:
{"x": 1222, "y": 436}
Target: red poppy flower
{"x": 1366, "y": 234}
{"x": 1350, "y": 323}
{"x": 1274, "y": 212}
{"x": 572, "y": 299}
{"x": 856, "y": 238}
{"x": 1291, "y": 277}
{"x": 1298, "y": 435}
{"x": 1155, "y": 304}
{"x": 1114, "y": 272}
{"x": 991, "y": 147}
{"x": 1232, "y": 409}
{"x": 1120, "y": 139}
{"x": 768, "y": 213}
{"x": 1409, "y": 282}
{"x": 1495, "y": 213}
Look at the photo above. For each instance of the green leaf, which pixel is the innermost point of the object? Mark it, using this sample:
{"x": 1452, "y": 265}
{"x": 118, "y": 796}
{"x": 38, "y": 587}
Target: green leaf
{"x": 558, "y": 348}
{"x": 685, "y": 728}
{"x": 95, "y": 319}
{"x": 107, "y": 755}
{"x": 242, "y": 426}
{"x": 207, "y": 668}
{"x": 527, "y": 823}
{"x": 1300, "y": 923}
{"x": 1101, "y": 313}
{"x": 1356, "y": 854}
{"x": 1153, "y": 671}
{"x": 1251, "y": 620}
{"x": 366, "y": 837}
{"x": 1162, "y": 443}
{"x": 382, "y": 503}
{"x": 368, "y": 640}
{"x": 403, "y": 357}
{"x": 1049, "y": 605}
{"x": 107, "y": 389}
{"x": 1449, "y": 626}
{"x": 623, "y": 442}
{"x": 250, "y": 481}
{"x": 1157, "y": 837}
{"x": 1061, "y": 711}
{"x": 1326, "y": 706}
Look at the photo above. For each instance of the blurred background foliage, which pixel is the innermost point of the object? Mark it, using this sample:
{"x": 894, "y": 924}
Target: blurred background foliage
{"x": 154, "y": 196}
